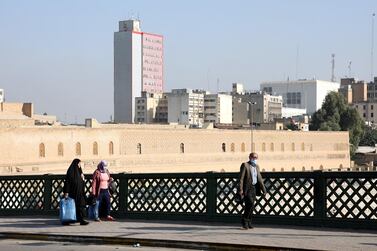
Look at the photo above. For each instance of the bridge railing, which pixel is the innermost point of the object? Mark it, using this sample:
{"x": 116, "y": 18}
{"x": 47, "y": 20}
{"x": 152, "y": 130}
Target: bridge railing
{"x": 331, "y": 199}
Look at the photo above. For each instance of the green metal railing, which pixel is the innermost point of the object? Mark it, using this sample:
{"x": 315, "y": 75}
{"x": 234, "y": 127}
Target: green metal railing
{"x": 331, "y": 199}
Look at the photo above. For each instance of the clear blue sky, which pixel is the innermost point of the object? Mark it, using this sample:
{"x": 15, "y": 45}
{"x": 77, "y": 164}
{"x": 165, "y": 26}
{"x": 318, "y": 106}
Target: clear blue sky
{"x": 59, "y": 54}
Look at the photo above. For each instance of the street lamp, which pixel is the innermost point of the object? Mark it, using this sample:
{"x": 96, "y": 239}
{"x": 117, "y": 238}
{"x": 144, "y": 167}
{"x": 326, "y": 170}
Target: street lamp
{"x": 251, "y": 123}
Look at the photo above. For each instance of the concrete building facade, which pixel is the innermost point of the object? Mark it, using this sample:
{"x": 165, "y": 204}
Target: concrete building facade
{"x": 258, "y": 107}
{"x": 138, "y": 67}
{"x": 146, "y": 107}
{"x": 186, "y": 107}
{"x": 218, "y": 108}
{"x": 372, "y": 90}
{"x": 353, "y": 90}
{"x": 368, "y": 111}
{"x": 303, "y": 94}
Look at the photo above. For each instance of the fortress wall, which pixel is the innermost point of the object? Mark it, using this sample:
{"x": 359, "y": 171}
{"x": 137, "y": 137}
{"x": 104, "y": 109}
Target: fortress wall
{"x": 160, "y": 149}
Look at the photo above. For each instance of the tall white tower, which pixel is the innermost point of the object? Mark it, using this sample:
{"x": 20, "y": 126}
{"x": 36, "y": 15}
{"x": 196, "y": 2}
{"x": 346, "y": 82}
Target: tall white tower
{"x": 138, "y": 66}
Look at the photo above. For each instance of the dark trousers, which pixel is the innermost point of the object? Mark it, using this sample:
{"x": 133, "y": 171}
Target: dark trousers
{"x": 80, "y": 211}
{"x": 104, "y": 203}
{"x": 248, "y": 209}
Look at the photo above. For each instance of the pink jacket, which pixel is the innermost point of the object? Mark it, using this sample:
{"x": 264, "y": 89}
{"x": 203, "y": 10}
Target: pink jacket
{"x": 97, "y": 180}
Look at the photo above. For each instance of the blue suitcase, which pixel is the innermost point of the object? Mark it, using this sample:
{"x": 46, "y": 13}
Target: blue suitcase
{"x": 67, "y": 210}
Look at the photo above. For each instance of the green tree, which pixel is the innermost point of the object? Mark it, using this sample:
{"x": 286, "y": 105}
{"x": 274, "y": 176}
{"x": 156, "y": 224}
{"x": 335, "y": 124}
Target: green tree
{"x": 336, "y": 115}
{"x": 369, "y": 137}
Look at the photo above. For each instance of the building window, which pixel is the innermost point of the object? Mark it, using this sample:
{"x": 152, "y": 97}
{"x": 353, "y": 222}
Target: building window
{"x": 60, "y": 149}
{"x": 293, "y": 98}
{"x": 243, "y": 147}
{"x": 263, "y": 147}
{"x": 223, "y": 147}
{"x": 272, "y": 148}
{"x": 371, "y": 115}
{"x": 293, "y": 147}
{"x": 232, "y": 147}
{"x": 138, "y": 148}
{"x": 78, "y": 149}
{"x": 42, "y": 152}
{"x": 111, "y": 148}
{"x": 282, "y": 147}
{"x": 95, "y": 148}
{"x": 303, "y": 146}
{"x": 364, "y": 115}
{"x": 364, "y": 107}
{"x": 182, "y": 148}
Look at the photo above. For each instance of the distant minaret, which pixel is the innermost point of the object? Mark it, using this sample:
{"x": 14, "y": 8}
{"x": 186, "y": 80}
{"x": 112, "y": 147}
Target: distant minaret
{"x": 333, "y": 68}
{"x": 138, "y": 66}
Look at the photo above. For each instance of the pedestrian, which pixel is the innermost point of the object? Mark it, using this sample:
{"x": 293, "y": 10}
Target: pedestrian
{"x": 251, "y": 184}
{"x": 74, "y": 187}
{"x": 100, "y": 190}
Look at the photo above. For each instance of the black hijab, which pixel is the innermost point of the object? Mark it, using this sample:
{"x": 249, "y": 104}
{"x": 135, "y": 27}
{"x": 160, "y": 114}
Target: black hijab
{"x": 74, "y": 171}
{"x": 74, "y": 184}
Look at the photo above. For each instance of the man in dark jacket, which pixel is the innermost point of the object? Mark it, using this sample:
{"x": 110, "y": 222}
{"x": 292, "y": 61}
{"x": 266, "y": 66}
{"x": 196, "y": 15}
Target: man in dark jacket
{"x": 250, "y": 181}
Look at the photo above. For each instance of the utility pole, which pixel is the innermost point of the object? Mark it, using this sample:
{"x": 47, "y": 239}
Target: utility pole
{"x": 251, "y": 123}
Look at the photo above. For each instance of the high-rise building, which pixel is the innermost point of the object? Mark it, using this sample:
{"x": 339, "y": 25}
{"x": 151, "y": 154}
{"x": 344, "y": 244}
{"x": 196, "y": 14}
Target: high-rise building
{"x": 138, "y": 67}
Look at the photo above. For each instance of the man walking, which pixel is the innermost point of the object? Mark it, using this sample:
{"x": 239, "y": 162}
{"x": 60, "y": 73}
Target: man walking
{"x": 251, "y": 185}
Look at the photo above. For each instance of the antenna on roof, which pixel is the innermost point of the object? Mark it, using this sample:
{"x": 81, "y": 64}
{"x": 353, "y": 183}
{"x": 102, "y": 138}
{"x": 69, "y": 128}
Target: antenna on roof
{"x": 349, "y": 68}
{"x": 208, "y": 79}
{"x": 371, "y": 49}
{"x": 297, "y": 54}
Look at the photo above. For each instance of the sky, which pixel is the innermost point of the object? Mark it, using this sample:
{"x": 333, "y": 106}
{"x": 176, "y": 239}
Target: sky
{"x": 59, "y": 54}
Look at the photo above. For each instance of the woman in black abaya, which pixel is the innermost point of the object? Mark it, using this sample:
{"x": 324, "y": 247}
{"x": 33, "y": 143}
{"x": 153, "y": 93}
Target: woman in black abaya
{"x": 74, "y": 186}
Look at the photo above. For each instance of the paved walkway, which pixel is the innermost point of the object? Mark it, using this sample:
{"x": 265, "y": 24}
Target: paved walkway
{"x": 175, "y": 232}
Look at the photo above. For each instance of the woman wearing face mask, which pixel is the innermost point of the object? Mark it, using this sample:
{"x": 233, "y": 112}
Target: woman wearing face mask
{"x": 251, "y": 182}
{"x": 100, "y": 189}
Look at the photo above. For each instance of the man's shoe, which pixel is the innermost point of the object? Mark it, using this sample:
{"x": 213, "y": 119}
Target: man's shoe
{"x": 97, "y": 219}
{"x": 249, "y": 225}
{"x": 84, "y": 222}
{"x": 244, "y": 227}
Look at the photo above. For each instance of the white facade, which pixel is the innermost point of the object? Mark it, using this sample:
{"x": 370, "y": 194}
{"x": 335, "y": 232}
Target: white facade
{"x": 186, "y": 107}
{"x": 303, "y": 94}
{"x": 218, "y": 108}
{"x": 287, "y": 112}
{"x": 1, "y": 95}
{"x": 138, "y": 66}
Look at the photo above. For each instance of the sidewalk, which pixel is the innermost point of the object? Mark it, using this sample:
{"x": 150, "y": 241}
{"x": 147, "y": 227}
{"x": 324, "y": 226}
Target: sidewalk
{"x": 189, "y": 234}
